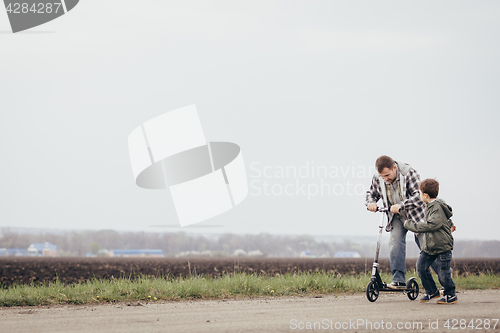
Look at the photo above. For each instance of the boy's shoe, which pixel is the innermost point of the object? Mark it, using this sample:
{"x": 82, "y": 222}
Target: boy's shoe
{"x": 426, "y": 298}
{"x": 447, "y": 299}
{"x": 397, "y": 285}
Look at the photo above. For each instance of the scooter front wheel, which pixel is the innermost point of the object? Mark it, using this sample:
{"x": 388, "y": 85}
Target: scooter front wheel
{"x": 372, "y": 291}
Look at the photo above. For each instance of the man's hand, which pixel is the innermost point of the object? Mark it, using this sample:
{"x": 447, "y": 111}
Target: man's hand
{"x": 395, "y": 209}
{"x": 453, "y": 228}
{"x": 372, "y": 207}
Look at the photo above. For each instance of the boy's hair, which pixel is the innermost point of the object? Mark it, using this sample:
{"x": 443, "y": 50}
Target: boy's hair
{"x": 430, "y": 186}
{"x": 383, "y": 162}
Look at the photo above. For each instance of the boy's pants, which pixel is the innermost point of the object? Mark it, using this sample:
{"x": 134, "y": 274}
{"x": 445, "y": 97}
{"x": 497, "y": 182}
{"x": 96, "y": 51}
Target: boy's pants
{"x": 435, "y": 265}
{"x": 444, "y": 272}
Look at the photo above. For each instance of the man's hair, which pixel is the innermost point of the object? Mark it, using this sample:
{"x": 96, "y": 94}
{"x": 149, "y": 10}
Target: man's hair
{"x": 383, "y": 162}
{"x": 430, "y": 186}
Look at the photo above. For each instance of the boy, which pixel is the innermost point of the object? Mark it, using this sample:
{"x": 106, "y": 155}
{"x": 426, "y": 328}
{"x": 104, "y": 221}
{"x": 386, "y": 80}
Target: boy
{"x": 436, "y": 243}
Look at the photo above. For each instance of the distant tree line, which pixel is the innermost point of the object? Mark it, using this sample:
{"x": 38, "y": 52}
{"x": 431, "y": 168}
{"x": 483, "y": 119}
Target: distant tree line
{"x": 80, "y": 243}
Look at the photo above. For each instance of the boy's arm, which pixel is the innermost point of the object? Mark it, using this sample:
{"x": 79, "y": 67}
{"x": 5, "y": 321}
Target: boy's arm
{"x": 413, "y": 180}
{"x": 434, "y": 222}
{"x": 451, "y": 225}
{"x": 373, "y": 195}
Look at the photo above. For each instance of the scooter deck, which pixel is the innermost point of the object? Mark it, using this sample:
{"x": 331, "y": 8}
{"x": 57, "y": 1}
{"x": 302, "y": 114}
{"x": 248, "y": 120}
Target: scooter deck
{"x": 395, "y": 290}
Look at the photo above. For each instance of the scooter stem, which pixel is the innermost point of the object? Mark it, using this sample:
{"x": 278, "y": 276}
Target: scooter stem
{"x": 380, "y": 227}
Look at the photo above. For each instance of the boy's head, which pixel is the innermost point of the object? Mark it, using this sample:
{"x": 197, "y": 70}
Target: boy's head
{"x": 429, "y": 190}
{"x": 386, "y": 168}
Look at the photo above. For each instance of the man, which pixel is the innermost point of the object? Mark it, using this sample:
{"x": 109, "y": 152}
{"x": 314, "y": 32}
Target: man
{"x": 397, "y": 185}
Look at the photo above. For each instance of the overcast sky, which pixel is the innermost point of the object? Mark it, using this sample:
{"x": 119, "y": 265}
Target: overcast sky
{"x": 298, "y": 85}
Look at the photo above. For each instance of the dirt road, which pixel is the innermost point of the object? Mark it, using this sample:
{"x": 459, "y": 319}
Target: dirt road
{"x": 475, "y": 312}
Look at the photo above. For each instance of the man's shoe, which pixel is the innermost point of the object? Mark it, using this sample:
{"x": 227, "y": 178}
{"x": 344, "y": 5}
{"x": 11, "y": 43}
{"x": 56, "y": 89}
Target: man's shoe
{"x": 426, "y": 298}
{"x": 447, "y": 299}
{"x": 397, "y": 285}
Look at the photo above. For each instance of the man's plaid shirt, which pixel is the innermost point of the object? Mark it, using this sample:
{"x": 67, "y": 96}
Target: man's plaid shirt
{"x": 412, "y": 203}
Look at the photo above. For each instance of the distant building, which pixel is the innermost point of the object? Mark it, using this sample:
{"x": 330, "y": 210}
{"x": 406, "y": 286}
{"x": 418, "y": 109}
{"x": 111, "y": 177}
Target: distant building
{"x": 136, "y": 253}
{"x": 17, "y": 252}
{"x": 100, "y": 253}
{"x": 42, "y": 249}
{"x": 347, "y": 254}
{"x": 255, "y": 253}
{"x": 307, "y": 254}
{"x": 13, "y": 252}
{"x": 206, "y": 253}
{"x": 103, "y": 253}
{"x": 240, "y": 253}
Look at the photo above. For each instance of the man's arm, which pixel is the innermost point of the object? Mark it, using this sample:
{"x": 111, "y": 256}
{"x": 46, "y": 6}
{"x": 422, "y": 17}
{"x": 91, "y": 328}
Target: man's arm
{"x": 433, "y": 223}
{"x": 413, "y": 200}
{"x": 373, "y": 194}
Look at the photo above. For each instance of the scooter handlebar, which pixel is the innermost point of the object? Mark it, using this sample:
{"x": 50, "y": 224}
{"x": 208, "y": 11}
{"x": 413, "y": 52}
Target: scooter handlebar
{"x": 381, "y": 209}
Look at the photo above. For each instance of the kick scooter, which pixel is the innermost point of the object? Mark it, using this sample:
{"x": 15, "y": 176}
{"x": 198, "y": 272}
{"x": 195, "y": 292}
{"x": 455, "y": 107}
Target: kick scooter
{"x": 376, "y": 285}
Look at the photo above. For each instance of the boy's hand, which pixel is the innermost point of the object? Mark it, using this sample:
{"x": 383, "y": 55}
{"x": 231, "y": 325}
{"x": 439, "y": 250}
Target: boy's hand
{"x": 395, "y": 209}
{"x": 453, "y": 228}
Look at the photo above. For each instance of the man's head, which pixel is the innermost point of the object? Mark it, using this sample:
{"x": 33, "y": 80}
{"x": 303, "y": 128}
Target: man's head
{"x": 429, "y": 190}
{"x": 386, "y": 168}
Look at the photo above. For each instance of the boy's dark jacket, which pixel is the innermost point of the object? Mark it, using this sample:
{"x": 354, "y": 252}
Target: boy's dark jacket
{"x": 436, "y": 231}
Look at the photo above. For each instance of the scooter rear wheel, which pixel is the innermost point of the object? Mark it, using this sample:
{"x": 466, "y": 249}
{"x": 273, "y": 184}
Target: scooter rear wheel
{"x": 372, "y": 291}
{"x": 412, "y": 285}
